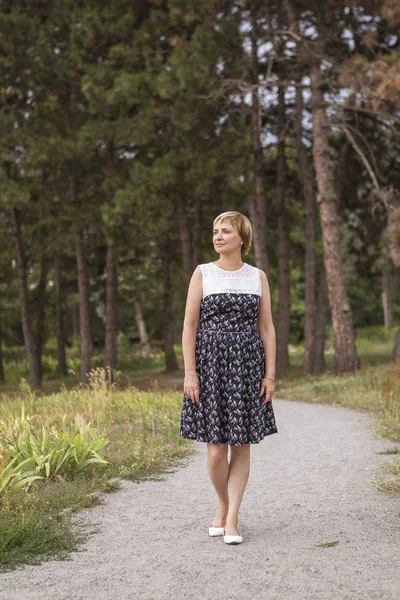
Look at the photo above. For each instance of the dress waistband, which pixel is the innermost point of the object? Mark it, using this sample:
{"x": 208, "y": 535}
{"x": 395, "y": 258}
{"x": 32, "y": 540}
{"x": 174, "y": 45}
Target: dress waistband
{"x": 223, "y": 331}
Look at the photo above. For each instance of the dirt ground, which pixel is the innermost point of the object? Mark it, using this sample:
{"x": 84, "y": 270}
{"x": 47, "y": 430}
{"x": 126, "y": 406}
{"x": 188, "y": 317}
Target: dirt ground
{"x": 314, "y": 526}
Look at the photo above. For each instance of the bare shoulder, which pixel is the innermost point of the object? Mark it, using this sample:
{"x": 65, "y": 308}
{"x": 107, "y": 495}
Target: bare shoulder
{"x": 197, "y": 274}
{"x": 263, "y": 276}
{"x": 264, "y": 283}
{"x": 196, "y": 281}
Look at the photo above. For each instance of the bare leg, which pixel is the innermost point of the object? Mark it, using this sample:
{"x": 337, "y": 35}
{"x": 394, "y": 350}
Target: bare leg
{"x": 218, "y": 469}
{"x": 239, "y": 471}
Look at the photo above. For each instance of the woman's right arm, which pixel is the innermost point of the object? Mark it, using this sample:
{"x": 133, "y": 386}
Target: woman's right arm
{"x": 191, "y": 320}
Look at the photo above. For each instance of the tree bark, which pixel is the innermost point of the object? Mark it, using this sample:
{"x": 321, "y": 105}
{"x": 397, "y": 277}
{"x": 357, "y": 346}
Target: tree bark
{"x": 141, "y": 325}
{"x": 75, "y": 322}
{"x": 41, "y": 304}
{"x": 396, "y": 349}
{"x": 256, "y": 204}
{"x": 30, "y": 345}
{"x": 386, "y": 281}
{"x": 170, "y": 357}
{"x": 282, "y": 352}
{"x": 321, "y": 320}
{"x": 196, "y": 249}
{"x": 2, "y": 378}
{"x": 111, "y": 352}
{"x": 306, "y": 177}
{"x": 60, "y": 329}
{"x": 346, "y": 358}
{"x": 84, "y": 319}
{"x": 184, "y": 234}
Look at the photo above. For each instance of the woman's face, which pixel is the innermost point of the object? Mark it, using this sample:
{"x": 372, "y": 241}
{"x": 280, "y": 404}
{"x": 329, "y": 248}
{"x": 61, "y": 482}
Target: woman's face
{"x": 225, "y": 238}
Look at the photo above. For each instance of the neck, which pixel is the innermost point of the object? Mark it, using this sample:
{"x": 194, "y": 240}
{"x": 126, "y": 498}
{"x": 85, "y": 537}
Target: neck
{"x": 230, "y": 263}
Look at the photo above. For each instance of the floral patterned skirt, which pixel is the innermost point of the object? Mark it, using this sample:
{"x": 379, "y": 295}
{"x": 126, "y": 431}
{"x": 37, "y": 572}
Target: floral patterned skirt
{"x": 230, "y": 367}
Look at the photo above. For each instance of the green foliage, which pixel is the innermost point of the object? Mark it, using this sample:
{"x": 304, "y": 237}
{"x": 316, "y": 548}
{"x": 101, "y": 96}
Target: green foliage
{"x": 142, "y": 434}
{"x": 30, "y": 452}
{"x": 54, "y": 452}
{"x": 16, "y": 474}
{"x": 31, "y": 534}
{"x": 141, "y": 105}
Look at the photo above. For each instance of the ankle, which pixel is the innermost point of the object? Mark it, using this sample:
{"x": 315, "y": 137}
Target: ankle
{"x": 231, "y": 529}
{"x": 231, "y": 522}
{"x": 223, "y": 509}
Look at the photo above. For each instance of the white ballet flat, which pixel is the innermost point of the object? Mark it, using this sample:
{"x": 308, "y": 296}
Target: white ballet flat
{"x": 233, "y": 539}
{"x": 214, "y": 531}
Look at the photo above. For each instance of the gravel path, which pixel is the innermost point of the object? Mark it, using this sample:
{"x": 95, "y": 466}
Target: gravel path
{"x": 309, "y": 484}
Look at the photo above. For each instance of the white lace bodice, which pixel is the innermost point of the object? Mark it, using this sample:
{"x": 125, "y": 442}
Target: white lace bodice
{"x": 219, "y": 281}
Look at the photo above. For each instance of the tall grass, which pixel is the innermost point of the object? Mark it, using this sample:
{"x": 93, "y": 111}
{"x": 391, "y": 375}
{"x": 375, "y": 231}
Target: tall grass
{"x": 62, "y": 437}
{"x": 386, "y": 385}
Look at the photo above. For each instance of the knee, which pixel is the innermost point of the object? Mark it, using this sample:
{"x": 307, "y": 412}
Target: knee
{"x": 240, "y": 451}
{"x": 216, "y": 456}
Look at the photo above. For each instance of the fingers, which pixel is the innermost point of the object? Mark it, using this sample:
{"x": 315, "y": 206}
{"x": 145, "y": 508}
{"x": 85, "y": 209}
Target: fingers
{"x": 192, "y": 392}
{"x": 268, "y": 397}
{"x": 268, "y": 391}
{"x": 263, "y": 388}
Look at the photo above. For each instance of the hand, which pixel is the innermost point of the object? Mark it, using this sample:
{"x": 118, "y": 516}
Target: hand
{"x": 191, "y": 387}
{"x": 267, "y": 388}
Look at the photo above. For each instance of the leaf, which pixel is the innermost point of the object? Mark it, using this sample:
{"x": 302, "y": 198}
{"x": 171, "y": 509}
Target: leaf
{"x": 327, "y": 544}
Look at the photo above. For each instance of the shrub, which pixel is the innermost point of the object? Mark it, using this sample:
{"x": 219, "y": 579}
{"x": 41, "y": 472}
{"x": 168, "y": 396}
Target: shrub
{"x": 31, "y": 452}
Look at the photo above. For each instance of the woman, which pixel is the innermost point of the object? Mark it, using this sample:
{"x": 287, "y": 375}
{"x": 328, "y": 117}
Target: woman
{"x": 229, "y": 353}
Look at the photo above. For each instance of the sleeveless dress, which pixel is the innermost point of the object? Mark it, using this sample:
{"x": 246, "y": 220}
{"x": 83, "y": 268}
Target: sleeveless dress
{"x": 230, "y": 362}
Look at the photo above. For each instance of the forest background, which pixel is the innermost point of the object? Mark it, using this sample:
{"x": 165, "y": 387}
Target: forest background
{"x": 127, "y": 127}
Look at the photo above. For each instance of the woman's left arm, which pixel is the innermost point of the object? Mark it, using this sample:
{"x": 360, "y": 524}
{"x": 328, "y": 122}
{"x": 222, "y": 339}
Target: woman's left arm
{"x": 267, "y": 333}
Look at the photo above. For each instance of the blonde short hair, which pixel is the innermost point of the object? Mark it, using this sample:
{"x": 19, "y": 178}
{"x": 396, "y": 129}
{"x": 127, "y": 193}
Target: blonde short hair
{"x": 242, "y": 225}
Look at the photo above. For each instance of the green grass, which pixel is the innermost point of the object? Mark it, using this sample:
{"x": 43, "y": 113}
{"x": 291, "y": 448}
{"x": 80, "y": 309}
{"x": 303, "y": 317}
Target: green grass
{"x": 30, "y": 535}
{"x": 36, "y": 524}
{"x": 142, "y": 429}
{"x": 389, "y": 482}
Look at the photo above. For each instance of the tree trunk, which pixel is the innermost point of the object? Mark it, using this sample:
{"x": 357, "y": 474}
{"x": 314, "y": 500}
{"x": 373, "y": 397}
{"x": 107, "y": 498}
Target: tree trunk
{"x": 111, "y": 353}
{"x": 40, "y": 303}
{"x": 141, "y": 325}
{"x": 282, "y": 353}
{"x": 2, "y": 378}
{"x": 306, "y": 176}
{"x": 60, "y": 330}
{"x": 386, "y": 281}
{"x": 346, "y": 358}
{"x": 184, "y": 234}
{"x": 170, "y": 358}
{"x": 84, "y": 319}
{"x": 196, "y": 249}
{"x": 75, "y": 322}
{"x": 396, "y": 350}
{"x": 256, "y": 204}
{"x": 30, "y": 346}
{"x": 321, "y": 320}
